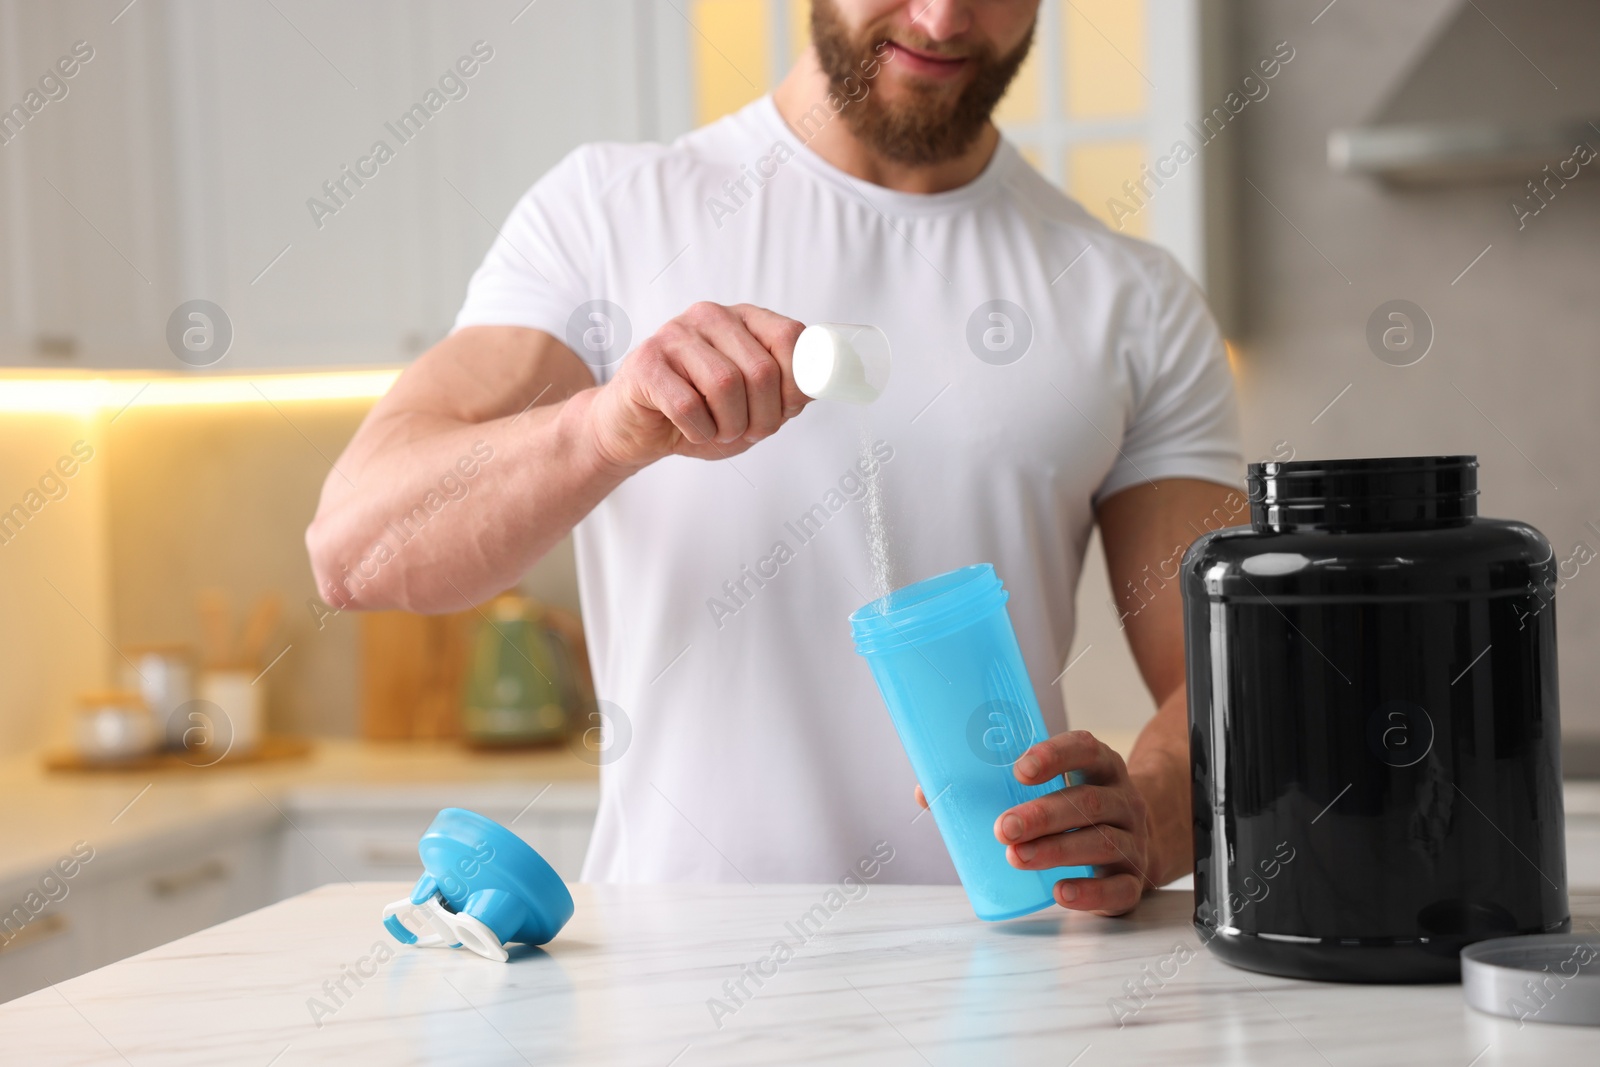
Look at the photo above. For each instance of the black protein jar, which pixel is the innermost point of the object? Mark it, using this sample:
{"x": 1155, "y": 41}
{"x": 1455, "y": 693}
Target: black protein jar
{"x": 1373, "y": 722}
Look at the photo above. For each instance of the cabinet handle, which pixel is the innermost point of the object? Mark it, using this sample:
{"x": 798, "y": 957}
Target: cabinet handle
{"x": 170, "y": 885}
{"x": 36, "y": 931}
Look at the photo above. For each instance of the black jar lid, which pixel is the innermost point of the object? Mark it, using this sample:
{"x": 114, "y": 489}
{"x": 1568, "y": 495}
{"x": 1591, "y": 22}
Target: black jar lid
{"x": 1355, "y": 494}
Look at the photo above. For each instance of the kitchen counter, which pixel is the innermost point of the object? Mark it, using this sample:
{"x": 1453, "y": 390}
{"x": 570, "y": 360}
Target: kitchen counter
{"x": 901, "y": 974}
{"x": 120, "y": 814}
{"x": 145, "y": 857}
{"x": 123, "y": 814}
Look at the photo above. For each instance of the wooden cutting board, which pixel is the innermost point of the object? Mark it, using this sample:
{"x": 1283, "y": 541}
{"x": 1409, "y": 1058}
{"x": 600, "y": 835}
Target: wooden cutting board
{"x": 413, "y": 668}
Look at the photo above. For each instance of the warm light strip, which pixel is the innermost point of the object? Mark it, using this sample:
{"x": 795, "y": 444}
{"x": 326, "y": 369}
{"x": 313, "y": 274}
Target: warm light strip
{"x": 88, "y": 396}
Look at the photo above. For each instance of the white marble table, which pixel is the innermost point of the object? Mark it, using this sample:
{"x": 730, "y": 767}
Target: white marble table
{"x": 901, "y": 975}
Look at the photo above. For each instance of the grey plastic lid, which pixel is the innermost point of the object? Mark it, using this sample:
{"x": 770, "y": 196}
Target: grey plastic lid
{"x": 1542, "y": 978}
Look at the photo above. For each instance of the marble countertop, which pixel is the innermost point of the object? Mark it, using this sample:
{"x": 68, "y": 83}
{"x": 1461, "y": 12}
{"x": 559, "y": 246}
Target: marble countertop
{"x": 648, "y": 975}
{"x": 120, "y": 813}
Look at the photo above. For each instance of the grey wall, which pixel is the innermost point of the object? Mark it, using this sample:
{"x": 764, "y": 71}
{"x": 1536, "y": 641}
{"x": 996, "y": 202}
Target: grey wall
{"x": 1512, "y": 374}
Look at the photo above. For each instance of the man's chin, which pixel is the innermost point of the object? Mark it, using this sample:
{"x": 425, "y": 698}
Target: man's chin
{"x": 913, "y": 115}
{"x": 929, "y": 101}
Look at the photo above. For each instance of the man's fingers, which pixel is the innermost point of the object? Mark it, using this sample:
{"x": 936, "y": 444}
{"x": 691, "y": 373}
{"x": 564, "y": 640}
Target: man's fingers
{"x": 722, "y": 376}
{"x": 777, "y": 333}
{"x": 681, "y": 403}
{"x": 763, "y": 374}
{"x": 1075, "y": 750}
{"x": 1068, "y": 809}
{"x": 718, "y": 379}
{"x": 922, "y": 801}
{"x": 1094, "y": 846}
{"x": 1115, "y": 894}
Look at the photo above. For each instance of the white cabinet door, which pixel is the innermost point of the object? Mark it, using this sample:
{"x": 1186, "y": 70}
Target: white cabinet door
{"x": 372, "y": 834}
{"x": 174, "y": 892}
{"x": 190, "y": 155}
{"x": 161, "y": 893}
{"x": 52, "y": 947}
{"x": 85, "y": 205}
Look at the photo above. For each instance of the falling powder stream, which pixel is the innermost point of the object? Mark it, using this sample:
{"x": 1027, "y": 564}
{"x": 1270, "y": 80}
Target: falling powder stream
{"x": 877, "y": 521}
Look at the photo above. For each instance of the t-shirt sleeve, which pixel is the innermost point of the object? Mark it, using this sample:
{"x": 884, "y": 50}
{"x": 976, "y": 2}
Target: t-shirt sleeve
{"x": 538, "y": 270}
{"x": 1185, "y": 421}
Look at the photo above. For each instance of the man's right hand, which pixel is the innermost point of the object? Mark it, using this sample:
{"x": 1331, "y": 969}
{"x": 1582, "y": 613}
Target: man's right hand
{"x": 708, "y": 384}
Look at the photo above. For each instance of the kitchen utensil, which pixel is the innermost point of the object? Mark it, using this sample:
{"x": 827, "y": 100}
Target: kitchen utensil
{"x": 216, "y": 626}
{"x": 947, "y": 663}
{"x": 521, "y": 686}
{"x": 1548, "y": 978}
{"x": 258, "y": 630}
{"x": 483, "y": 887}
{"x": 842, "y": 361}
{"x": 164, "y": 676}
{"x": 1374, "y": 727}
{"x": 113, "y": 725}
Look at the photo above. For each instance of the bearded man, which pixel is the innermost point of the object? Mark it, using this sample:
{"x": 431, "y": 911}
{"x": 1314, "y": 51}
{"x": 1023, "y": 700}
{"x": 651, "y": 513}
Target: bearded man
{"x": 624, "y": 355}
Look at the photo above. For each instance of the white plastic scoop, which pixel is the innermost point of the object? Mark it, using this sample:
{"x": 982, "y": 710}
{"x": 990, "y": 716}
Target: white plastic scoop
{"x": 842, "y": 361}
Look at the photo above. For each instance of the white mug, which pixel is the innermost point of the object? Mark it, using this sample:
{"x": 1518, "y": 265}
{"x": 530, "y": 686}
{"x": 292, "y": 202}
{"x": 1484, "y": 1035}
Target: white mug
{"x": 241, "y": 706}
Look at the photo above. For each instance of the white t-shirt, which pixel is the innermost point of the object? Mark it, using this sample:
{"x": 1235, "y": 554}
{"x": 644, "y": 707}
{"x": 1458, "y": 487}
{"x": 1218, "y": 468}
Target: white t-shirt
{"x": 752, "y": 742}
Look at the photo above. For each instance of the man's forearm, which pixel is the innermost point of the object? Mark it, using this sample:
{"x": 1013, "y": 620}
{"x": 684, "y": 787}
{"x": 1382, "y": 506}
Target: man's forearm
{"x": 1146, "y": 530}
{"x": 1159, "y": 767}
{"x": 402, "y": 525}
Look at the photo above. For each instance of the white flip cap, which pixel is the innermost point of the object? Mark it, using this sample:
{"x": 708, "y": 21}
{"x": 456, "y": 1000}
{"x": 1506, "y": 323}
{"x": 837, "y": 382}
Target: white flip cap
{"x": 431, "y": 926}
{"x": 841, "y": 361}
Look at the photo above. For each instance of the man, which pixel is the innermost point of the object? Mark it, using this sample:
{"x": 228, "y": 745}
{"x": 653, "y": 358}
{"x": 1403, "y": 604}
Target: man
{"x": 623, "y": 358}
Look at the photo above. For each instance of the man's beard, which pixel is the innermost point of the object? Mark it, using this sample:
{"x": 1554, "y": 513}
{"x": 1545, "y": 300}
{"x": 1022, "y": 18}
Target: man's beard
{"x": 932, "y": 126}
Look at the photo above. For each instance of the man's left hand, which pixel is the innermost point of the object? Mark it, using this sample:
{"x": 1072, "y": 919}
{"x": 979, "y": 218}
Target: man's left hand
{"x": 1103, "y": 822}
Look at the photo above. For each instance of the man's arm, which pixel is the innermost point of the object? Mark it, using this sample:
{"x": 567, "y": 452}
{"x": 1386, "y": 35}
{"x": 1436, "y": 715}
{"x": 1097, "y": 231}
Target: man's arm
{"x": 1145, "y": 530}
{"x": 1133, "y": 817}
{"x": 542, "y": 475}
{"x": 518, "y": 408}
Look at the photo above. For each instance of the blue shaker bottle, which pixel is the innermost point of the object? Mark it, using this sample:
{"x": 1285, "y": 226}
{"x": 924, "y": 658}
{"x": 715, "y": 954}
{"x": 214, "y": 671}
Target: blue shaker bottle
{"x": 947, "y": 663}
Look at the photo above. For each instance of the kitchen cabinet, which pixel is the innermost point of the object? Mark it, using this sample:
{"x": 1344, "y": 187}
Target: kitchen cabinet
{"x": 178, "y": 852}
{"x": 55, "y": 946}
{"x": 213, "y": 150}
{"x": 371, "y": 834}
{"x": 175, "y": 892}
{"x": 161, "y": 893}
{"x": 122, "y": 905}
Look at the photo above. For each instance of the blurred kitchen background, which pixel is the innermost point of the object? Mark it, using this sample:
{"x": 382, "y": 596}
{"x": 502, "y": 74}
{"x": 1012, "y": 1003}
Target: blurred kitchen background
{"x": 1436, "y": 152}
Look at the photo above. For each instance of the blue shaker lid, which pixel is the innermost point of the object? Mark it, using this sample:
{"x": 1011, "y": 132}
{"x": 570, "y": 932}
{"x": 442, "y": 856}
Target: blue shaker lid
{"x": 479, "y": 868}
